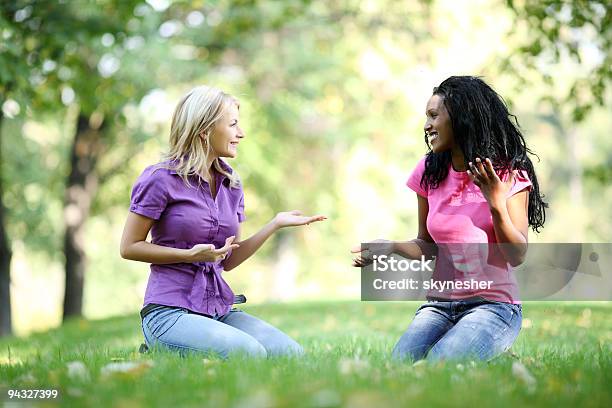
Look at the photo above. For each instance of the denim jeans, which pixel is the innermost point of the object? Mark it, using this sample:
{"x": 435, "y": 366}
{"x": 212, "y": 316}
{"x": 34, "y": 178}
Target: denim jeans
{"x": 236, "y": 332}
{"x": 462, "y": 329}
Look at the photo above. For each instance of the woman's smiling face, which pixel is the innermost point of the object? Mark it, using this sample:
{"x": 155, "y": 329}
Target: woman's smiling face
{"x": 227, "y": 134}
{"x": 438, "y": 128}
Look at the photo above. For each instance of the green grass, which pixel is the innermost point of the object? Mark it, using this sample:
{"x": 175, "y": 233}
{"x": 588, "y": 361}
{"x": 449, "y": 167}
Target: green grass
{"x": 566, "y": 347}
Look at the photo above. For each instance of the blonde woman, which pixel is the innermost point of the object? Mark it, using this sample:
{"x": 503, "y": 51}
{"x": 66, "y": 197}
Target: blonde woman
{"x": 192, "y": 203}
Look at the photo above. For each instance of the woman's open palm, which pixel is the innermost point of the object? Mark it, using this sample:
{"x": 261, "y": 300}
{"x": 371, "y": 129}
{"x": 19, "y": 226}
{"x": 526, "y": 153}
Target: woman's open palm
{"x": 295, "y": 218}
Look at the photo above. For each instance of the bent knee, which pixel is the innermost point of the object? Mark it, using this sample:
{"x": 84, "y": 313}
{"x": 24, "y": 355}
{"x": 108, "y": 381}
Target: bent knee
{"x": 246, "y": 347}
{"x": 405, "y": 352}
{"x": 288, "y": 347}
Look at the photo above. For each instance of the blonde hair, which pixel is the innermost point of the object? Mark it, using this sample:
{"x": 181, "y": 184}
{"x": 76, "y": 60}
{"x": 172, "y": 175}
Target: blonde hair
{"x": 196, "y": 114}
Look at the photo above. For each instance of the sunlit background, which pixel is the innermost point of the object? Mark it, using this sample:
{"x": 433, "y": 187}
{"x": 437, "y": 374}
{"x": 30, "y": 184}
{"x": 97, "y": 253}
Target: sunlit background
{"x": 332, "y": 103}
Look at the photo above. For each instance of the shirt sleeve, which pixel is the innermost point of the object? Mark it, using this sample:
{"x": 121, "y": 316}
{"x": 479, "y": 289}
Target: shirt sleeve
{"x": 521, "y": 181}
{"x": 414, "y": 181}
{"x": 149, "y": 194}
{"x": 240, "y": 212}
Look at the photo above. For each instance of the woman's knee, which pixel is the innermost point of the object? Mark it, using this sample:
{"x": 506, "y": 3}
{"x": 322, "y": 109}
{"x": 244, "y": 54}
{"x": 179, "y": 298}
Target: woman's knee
{"x": 245, "y": 346}
{"x": 407, "y": 349}
{"x": 427, "y": 327}
{"x": 481, "y": 335}
{"x": 284, "y": 347}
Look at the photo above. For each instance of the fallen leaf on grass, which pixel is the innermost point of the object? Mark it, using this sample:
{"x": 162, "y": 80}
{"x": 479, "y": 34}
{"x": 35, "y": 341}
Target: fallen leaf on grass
{"x": 522, "y": 374}
{"x": 353, "y": 366}
{"x": 207, "y": 361}
{"x": 131, "y": 368}
{"x": 77, "y": 370}
{"x": 26, "y": 378}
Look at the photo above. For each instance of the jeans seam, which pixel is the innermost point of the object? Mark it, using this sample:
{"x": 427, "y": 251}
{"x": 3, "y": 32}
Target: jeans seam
{"x": 167, "y": 343}
{"x": 512, "y": 318}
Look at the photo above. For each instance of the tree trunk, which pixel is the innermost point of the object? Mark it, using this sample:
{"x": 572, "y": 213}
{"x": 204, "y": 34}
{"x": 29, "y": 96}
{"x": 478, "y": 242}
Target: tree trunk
{"x": 5, "y": 260}
{"x": 81, "y": 187}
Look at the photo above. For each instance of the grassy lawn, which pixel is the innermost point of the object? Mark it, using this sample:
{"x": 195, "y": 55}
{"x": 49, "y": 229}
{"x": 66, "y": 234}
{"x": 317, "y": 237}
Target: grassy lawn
{"x": 563, "y": 357}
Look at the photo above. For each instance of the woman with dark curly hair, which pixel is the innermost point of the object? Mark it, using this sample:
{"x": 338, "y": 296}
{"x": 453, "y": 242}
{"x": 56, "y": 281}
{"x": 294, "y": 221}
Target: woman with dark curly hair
{"x": 477, "y": 195}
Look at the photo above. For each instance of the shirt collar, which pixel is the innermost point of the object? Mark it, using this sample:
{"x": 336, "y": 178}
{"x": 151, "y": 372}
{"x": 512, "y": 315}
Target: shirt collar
{"x": 223, "y": 165}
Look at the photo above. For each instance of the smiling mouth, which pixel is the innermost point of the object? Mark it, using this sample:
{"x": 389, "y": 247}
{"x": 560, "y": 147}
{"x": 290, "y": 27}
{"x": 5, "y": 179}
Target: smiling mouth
{"x": 431, "y": 137}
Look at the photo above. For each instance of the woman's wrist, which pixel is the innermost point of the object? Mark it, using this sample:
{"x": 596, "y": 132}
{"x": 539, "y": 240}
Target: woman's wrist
{"x": 186, "y": 255}
{"x": 497, "y": 205}
{"x": 274, "y": 225}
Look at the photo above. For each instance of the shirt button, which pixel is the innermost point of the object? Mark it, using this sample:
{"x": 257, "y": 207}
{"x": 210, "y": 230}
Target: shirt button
{"x": 215, "y": 223}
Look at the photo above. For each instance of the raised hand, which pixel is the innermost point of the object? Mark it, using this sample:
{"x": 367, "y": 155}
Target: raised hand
{"x": 493, "y": 189}
{"x": 295, "y": 218}
{"x": 208, "y": 252}
{"x": 364, "y": 257}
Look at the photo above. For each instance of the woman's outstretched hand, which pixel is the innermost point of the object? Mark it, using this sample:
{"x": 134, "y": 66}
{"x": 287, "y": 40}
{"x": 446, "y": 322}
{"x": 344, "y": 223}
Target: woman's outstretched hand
{"x": 295, "y": 218}
{"x": 208, "y": 252}
{"x": 493, "y": 189}
{"x": 364, "y": 253}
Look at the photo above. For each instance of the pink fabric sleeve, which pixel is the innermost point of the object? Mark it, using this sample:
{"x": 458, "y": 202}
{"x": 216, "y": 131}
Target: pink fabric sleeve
{"x": 521, "y": 181}
{"x": 414, "y": 181}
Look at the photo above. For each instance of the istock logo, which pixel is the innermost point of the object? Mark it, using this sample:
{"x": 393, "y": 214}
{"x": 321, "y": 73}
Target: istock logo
{"x": 384, "y": 263}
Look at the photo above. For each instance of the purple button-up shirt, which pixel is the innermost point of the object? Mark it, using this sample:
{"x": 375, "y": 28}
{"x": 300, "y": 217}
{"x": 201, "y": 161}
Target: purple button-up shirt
{"x": 187, "y": 216}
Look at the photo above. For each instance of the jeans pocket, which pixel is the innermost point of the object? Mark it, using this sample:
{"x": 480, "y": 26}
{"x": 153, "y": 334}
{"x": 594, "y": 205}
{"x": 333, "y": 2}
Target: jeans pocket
{"x": 159, "y": 322}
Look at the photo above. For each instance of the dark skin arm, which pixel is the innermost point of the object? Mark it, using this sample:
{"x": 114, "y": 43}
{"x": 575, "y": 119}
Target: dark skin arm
{"x": 510, "y": 216}
{"x": 423, "y": 244}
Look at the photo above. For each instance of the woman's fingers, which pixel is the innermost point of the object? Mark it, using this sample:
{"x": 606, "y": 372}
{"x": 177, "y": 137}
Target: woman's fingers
{"x": 473, "y": 177}
{"x": 226, "y": 249}
{"x": 356, "y": 249}
{"x": 481, "y": 173}
{"x": 481, "y": 170}
{"x": 204, "y": 247}
{"x": 316, "y": 218}
{"x": 473, "y": 170}
{"x": 359, "y": 261}
{"x": 490, "y": 170}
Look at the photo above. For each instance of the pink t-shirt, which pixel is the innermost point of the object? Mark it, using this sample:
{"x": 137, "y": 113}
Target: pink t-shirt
{"x": 459, "y": 217}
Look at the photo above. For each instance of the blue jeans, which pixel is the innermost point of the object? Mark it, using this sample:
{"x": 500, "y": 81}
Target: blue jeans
{"x": 462, "y": 329}
{"x": 236, "y": 332}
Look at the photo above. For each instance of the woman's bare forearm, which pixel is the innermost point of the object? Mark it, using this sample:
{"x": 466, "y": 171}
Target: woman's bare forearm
{"x": 513, "y": 244}
{"x": 415, "y": 248}
{"x": 144, "y": 251}
{"x": 249, "y": 246}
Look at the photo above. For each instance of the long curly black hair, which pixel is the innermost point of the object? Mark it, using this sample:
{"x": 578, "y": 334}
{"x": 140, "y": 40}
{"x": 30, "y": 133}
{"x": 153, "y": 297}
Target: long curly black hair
{"x": 483, "y": 127}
